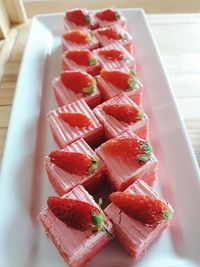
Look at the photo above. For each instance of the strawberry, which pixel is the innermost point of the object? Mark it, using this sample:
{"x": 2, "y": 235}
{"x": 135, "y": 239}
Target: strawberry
{"x": 78, "y": 37}
{"x": 81, "y": 57}
{"x": 78, "y": 214}
{"x": 108, "y": 15}
{"x": 79, "y": 17}
{"x": 74, "y": 162}
{"x": 78, "y": 81}
{"x": 128, "y": 148}
{"x": 124, "y": 112}
{"x": 76, "y": 119}
{"x": 120, "y": 79}
{"x": 110, "y": 33}
{"x": 147, "y": 209}
{"x": 112, "y": 54}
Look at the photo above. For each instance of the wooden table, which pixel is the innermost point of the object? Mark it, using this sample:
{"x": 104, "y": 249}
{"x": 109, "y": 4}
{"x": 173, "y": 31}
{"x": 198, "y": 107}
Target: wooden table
{"x": 178, "y": 38}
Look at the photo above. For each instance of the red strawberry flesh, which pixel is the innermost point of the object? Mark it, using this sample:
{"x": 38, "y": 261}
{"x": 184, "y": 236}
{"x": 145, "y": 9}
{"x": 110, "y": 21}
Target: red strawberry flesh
{"x": 123, "y": 112}
{"x": 108, "y": 15}
{"x": 76, "y": 119}
{"x": 110, "y": 33}
{"x": 147, "y": 209}
{"x": 81, "y": 57}
{"x": 111, "y": 54}
{"x": 78, "y": 17}
{"x": 78, "y": 37}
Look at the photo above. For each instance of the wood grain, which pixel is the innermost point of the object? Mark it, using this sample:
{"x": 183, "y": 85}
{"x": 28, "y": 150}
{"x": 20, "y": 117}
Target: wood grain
{"x": 178, "y": 38}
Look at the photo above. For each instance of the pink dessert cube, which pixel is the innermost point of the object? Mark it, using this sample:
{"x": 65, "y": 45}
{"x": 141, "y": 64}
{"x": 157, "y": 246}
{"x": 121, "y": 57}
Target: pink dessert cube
{"x": 109, "y": 17}
{"x": 115, "y": 56}
{"x": 65, "y": 95}
{"x": 64, "y": 134}
{"x": 122, "y": 172}
{"x": 71, "y": 40}
{"x": 109, "y": 90}
{"x": 63, "y": 181}
{"x": 114, "y": 127}
{"x": 76, "y": 247}
{"x": 135, "y": 236}
{"x": 116, "y": 35}
{"x": 78, "y": 19}
{"x": 83, "y": 60}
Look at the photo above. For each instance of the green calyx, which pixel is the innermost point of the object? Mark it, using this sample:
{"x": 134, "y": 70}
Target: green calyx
{"x": 98, "y": 219}
{"x": 124, "y": 59}
{"x": 92, "y": 61}
{"x": 117, "y": 16}
{"x": 132, "y": 81}
{"x": 91, "y": 88}
{"x": 140, "y": 114}
{"x": 94, "y": 165}
{"x": 166, "y": 214}
{"x": 88, "y": 20}
{"x": 147, "y": 152}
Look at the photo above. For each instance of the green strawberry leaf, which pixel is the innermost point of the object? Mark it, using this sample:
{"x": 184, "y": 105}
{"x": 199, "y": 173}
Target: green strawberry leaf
{"x": 143, "y": 157}
{"x": 140, "y": 114}
{"x": 92, "y": 61}
{"x": 166, "y": 214}
{"x": 90, "y": 89}
{"x": 132, "y": 81}
{"x": 94, "y": 165}
{"x": 88, "y": 20}
{"x": 117, "y": 16}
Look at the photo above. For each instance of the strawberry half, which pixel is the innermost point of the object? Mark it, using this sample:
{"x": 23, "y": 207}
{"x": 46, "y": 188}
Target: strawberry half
{"x": 124, "y": 112}
{"x": 108, "y": 15}
{"x": 78, "y": 214}
{"x": 78, "y": 37}
{"x": 128, "y": 148}
{"x": 79, "y": 17}
{"x": 81, "y": 57}
{"x": 78, "y": 81}
{"x": 74, "y": 162}
{"x": 145, "y": 208}
{"x": 112, "y": 54}
{"x": 76, "y": 119}
{"x": 110, "y": 33}
{"x": 120, "y": 79}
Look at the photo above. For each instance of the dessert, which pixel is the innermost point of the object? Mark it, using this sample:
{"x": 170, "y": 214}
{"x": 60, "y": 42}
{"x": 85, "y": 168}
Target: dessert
{"x": 115, "y": 56}
{"x": 113, "y": 82}
{"x": 80, "y": 59}
{"x": 120, "y": 114}
{"x": 72, "y": 235}
{"x": 114, "y": 34}
{"x": 78, "y": 19}
{"x": 66, "y": 90}
{"x": 128, "y": 158}
{"x": 76, "y": 164}
{"x": 74, "y": 121}
{"x": 79, "y": 39}
{"x": 108, "y": 17}
{"x": 139, "y": 216}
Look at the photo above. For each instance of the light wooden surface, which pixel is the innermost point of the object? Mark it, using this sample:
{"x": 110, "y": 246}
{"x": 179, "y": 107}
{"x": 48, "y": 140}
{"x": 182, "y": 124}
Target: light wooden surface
{"x": 178, "y": 38}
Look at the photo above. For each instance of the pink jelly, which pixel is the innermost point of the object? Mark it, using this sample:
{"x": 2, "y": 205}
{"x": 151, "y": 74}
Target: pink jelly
{"x": 69, "y": 45}
{"x": 65, "y": 96}
{"x": 134, "y": 235}
{"x": 108, "y": 63}
{"x": 108, "y": 90}
{"x": 75, "y": 246}
{"x": 121, "y": 21}
{"x": 124, "y": 38}
{"x": 63, "y": 181}
{"x": 64, "y": 134}
{"x": 70, "y": 64}
{"x": 114, "y": 127}
{"x": 123, "y": 172}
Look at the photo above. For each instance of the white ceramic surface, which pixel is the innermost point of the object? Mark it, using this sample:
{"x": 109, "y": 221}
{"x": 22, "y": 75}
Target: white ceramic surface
{"x": 24, "y": 186}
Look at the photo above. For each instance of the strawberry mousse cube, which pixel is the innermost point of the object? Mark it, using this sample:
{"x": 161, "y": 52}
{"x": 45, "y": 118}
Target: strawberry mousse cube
{"x": 128, "y": 158}
{"x": 76, "y": 164}
{"x": 115, "y": 56}
{"x": 116, "y": 35}
{"x": 78, "y": 19}
{"x": 133, "y": 234}
{"x": 74, "y": 121}
{"x": 83, "y": 60}
{"x": 108, "y": 17}
{"x": 120, "y": 114}
{"x": 74, "y": 85}
{"x": 79, "y": 39}
{"x": 75, "y": 246}
{"x": 113, "y": 82}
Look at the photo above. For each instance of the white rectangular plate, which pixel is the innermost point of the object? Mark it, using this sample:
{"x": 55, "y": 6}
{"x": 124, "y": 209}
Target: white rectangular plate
{"x": 24, "y": 184}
